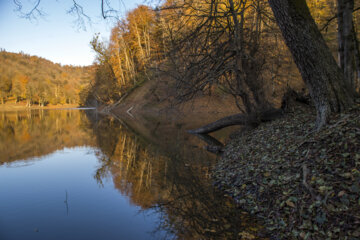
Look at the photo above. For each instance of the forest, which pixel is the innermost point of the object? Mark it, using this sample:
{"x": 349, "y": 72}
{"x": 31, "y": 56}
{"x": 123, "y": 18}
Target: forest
{"x": 238, "y": 48}
{"x": 35, "y": 80}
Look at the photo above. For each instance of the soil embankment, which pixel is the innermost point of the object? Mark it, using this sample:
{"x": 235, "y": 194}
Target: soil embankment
{"x": 153, "y": 99}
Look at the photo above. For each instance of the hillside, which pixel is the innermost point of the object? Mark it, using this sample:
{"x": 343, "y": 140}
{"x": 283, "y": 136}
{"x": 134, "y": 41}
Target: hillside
{"x": 155, "y": 99}
{"x": 40, "y": 81}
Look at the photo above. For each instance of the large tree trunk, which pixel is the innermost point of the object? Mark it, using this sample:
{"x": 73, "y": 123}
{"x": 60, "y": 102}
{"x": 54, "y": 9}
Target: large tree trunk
{"x": 253, "y": 120}
{"x": 346, "y": 41}
{"x": 318, "y": 68}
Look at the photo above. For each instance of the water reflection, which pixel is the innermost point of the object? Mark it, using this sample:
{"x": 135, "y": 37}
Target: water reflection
{"x": 163, "y": 168}
{"x": 29, "y": 134}
{"x": 156, "y": 165}
{"x": 56, "y": 196}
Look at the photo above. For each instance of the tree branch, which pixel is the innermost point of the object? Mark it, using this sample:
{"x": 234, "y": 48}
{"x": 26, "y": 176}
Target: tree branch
{"x": 32, "y": 14}
{"x": 332, "y": 18}
{"x": 78, "y": 10}
{"x": 107, "y": 11}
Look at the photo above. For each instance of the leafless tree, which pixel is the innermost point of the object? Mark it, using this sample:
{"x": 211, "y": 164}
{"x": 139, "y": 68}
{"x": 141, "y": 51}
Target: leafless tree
{"x": 218, "y": 44}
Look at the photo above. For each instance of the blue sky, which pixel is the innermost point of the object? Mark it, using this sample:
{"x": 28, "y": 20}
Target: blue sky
{"x": 56, "y": 36}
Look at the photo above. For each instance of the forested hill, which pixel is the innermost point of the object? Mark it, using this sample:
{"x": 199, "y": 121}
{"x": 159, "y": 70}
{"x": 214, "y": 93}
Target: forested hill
{"x": 36, "y": 80}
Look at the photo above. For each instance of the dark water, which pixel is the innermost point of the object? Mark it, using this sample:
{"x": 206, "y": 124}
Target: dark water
{"x": 73, "y": 174}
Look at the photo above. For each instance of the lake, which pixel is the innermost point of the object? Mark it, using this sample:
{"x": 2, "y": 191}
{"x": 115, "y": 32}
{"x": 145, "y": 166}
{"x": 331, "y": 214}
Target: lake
{"x": 75, "y": 174}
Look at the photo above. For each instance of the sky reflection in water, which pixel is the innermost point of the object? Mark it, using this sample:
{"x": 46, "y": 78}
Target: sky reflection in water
{"x": 34, "y": 204}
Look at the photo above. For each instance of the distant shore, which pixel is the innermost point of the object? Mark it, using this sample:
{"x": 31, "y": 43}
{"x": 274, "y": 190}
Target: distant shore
{"x": 21, "y": 107}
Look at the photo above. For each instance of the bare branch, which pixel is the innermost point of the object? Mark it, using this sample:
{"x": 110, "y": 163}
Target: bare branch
{"x": 328, "y": 22}
{"x": 78, "y": 11}
{"x": 34, "y": 12}
{"x": 107, "y": 11}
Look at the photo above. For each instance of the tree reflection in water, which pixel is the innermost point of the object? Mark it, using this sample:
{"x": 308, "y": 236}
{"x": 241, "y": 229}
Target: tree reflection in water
{"x": 29, "y": 134}
{"x": 158, "y": 170}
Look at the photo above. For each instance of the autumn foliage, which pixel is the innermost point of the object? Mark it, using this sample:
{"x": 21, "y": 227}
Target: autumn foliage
{"x": 35, "y": 80}
{"x": 199, "y": 46}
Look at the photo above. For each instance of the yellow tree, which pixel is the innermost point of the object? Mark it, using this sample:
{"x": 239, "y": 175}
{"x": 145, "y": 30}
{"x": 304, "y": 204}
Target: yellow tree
{"x": 131, "y": 46}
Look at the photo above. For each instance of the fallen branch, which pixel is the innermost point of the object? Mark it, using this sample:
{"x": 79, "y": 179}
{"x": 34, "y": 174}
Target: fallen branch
{"x": 128, "y": 111}
{"x": 309, "y": 188}
{"x": 210, "y": 140}
{"x": 252, "y": 120}
{"x": 214, "y": 145}
{"x": 108, "y": 108}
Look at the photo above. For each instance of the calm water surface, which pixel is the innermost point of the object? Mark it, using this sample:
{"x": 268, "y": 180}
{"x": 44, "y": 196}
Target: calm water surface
{"x": 73, "y": 174}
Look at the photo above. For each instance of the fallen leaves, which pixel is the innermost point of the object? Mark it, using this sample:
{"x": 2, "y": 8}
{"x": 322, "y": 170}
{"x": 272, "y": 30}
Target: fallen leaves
{"x": 263, "y": 170}
{"x": 290, "y": 204}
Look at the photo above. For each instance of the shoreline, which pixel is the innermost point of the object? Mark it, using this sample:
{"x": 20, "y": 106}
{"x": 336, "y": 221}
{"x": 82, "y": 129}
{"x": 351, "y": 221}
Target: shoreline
{"x": 302, "y": 184}
{"x": 21, "y": 107}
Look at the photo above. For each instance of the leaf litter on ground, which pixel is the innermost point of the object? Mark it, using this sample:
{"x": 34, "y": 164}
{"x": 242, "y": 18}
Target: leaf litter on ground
{"x": 303, "y": 184}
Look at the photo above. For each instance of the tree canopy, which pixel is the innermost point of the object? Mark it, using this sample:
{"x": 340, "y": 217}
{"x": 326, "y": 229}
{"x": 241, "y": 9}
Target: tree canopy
{"x": 37, "y": 80}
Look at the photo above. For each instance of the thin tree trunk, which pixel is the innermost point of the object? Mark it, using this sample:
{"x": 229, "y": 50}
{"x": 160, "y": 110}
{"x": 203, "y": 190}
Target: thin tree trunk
{"x": 318, "y": 68}
{"x": 139, "y": 43}
{"x": 340, "y": 33}
{"x": 237, "y": 45}
{"x": 147, "y": 43}
{"x": 346, "y": 40}
{"x": 357, "y": 59}
{"x": 122, "y": 78}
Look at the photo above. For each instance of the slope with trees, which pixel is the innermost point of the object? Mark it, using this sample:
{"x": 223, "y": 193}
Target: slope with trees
{"x": 234, "y": 47}
{"x": 39, "y": 81}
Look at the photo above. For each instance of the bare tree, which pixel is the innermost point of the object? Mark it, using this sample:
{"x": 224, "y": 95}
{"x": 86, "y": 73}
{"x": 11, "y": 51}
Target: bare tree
{"x": 220, "y": 45}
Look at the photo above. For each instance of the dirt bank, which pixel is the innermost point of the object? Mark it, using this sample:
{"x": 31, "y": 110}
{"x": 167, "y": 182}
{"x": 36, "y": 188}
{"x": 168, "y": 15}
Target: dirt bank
{"x": 154, "y": 99}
